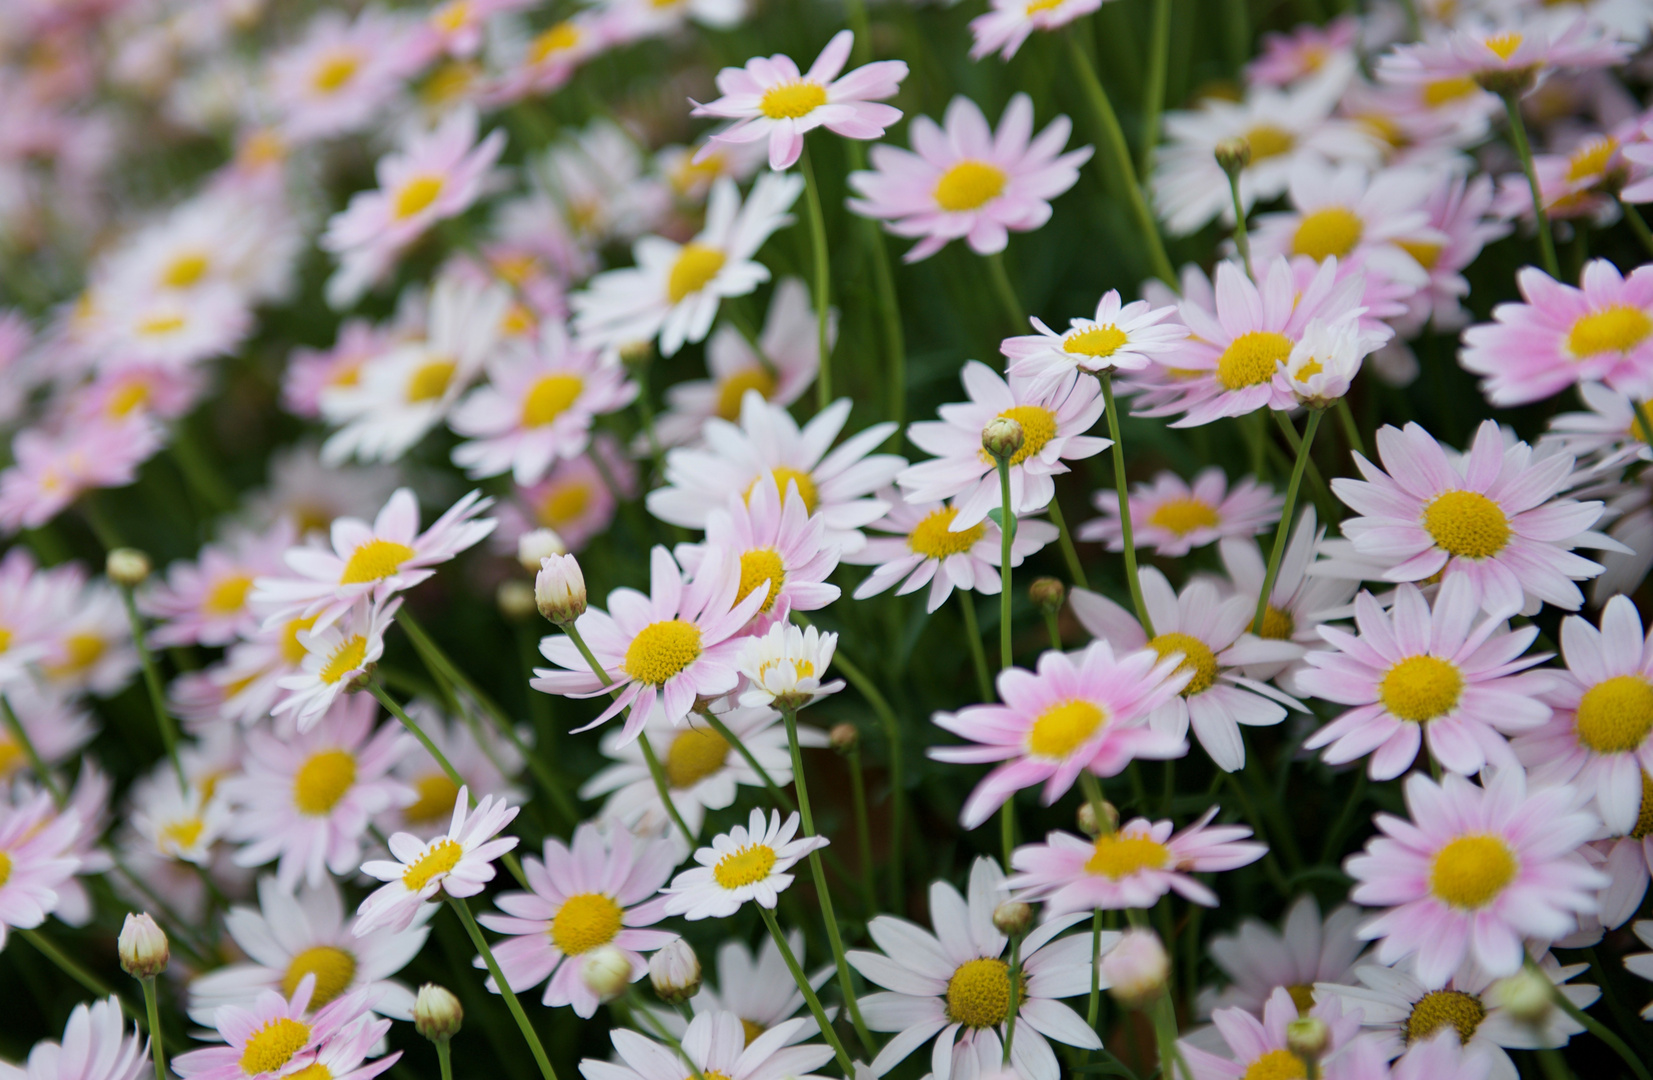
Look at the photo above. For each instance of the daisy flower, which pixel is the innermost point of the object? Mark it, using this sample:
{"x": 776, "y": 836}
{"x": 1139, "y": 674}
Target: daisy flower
{"x": 953, "y": 986}
{"x": 1489, "y": 516}
{"x": 964, "y": 180}
{"x": 1258, "y": 1046}
{"x": 674, "y": 291}
{"x": 309, "y": 799}
{"x": 1561, "y": 335}
{"x": 1009, "y": 23}
{"x": 598, "y": 890}
{"x": 1305, "y": 952}
{"x": 633, "y": 20}
{"x": 1131, "y": 867}
{"x": 334, "y": 659}
{"x": 25, "y": 615}
{"x": 926, "y": 550}
{"x": 748, "y": 862}
{"x": 1428, "y": 1060}
{"x": 1078, "y": 711}
{"x": 786, "y": 667}
{"x": 486, "y": 767}
{"x": 89, "y": 647}
{"x": 599, "y": 176}
{"x": 95, "y": 1046}
{"x": 1053, "y": 424}
{"x": 769, "y": 99}
{"x": 1504, "y": 58}
{"x": 294, "y": 934}
{"x": 57, "y": 727}
{"x": 281, "y": 1037}
{"x": 715, "y": 1042}
{"x": 757, "y": 987}
{"x": 1286, "y": 58}
{"x": 180, "y": 823}
{"x": 1604, "y": 434}
{"x": 311, "y": 371}
{"x": 51, "y": 469}
{"x": 574, "y": 500}
{"x": 1174, "y": 517}
{"x": 457, "y": 863}
{"x": 1122, "y": 337}
{"x": 35, "y": 842}
{"x": 1574, "y": 185}
{"x": 1642, "y": 963}
{"x": 1477, "y": 870}
{"x": 834, "y": 483}
{"x": 343, "y": 73}
{"x": 1211, "y": 636}
{"x": 204, "y": 601}
{"x": 660, "y": 652}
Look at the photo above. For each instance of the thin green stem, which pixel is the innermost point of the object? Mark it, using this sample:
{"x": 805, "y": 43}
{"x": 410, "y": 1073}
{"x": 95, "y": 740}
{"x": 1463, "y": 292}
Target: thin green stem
{"x": 898, "y": 789}
{"x": 1015, "y": 996}
{"x": 1242, "y": 239}
{"x": 152, "y": 680}
{"x": 1007, "y": 537}
{"x": 808, "y": 991}
{"x": 578, "y": 639}
{"x": 505, "y": 991}
{"x": 157, "y": 1051}
{"x": 199, "y": 472}
{"x": 1070, "y": 553}
{"x": 863, "y": 829}
{"x": 1554, "y": 1065}
{"x": 1053, "y": 628}
{"x": 1271, "y": 865}
{"x": 1523, "y": 150}
{"x": 662, "y": 788}
{"x": 1351, "y": 430}
{"x": 1132, "y": 578}
{"x": 1282, "y": 533}
{"x": 781, "y": 798}
{"x": 972, "y": 637}
{"x": 1595, "y": 1027}
{"x": 645, "y": 413}
{"x": 69, "y": 967}
{"x": 1006, "y": 291}
{"x": 1638, "y": 225}
{"x": 1094, "y": 1006}
{"x": 444, "y": 1058}
{"x": 32, "y": 755}
{"x": 823, "y": 276}
{"x": 1159, "y": 56}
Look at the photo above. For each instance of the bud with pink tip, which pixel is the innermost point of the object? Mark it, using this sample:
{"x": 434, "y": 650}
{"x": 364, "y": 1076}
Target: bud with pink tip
{"x": 1137, "y": 968}
{"x": 144, "y": 950}
{"x": 606, "y": 972}
{"x": 559, "y": 589}
{"x": 675, "y": 972}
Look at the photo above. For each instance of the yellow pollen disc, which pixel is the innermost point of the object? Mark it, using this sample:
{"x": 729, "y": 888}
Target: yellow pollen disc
{"x": 448, "y": 82}
{"x": 978, "y": 994}
{"x": 1644, "y": 818}
{"x": 1619, "y": 328}
{"x": 559, "y": 38}
{"x": 346, "y": 658}
{"x": 1421, "y": 688}
{"x": 374, "y": 561}
{"x": 1042, "y": 5}
{"x": 1441, "y": 91}
{"x": 1472, "y": 870}
{"x": 1466, "y": 523}
{"x": 1438, "y": 1008}
{"x": 732, "y": 389}
{"x": 1269, "y": 141}
{"x": 1278, "y": 625}
{"x": 436, "y": 797}
{"x": 932, "y": 539}
{"x": 1196, "y": 657}
{"x": 1302, "y": 996}
{"x": 452, "y": 16}
{"x": 1098, "y": 341}
{"x": 1324, "y": 233}
{"x": 185, "y": 270}
{"x": 334, "y": 969}
{"x": 1385, "y": 128}
{"x": 313, "y": 1071}
{"x": 273, "y": 1046}
{"x": 160, "y": 325}
{"x": 334, "y": 72}
{"x": 747, "y": 866}
{"x": 127, "y": 399}
{"x": 12, "y": 758}
{"x": 694, "y": 754}
{"x": 564, "y": 504}
{"x": 1251, "y": 359}
{"x": 1276, "y": 1065}
{"x": 785, "y": 474}
{"x": 1117, "y": 856}
{"x": 416, "y": 195}
{"x": 756, "y": 567}
{"x": 1063, "y": 728}
{"x": 1503, "y": 45}
{"x": 5, "y": 868}
{"x": 80, "y": 651}
{"x": 550, "y": 398}
{"x": 1426, "y": 253}
{"x": 585, "y": 921}
{"x": 789, "y": 101}
{"x": 1592, "y": 158}
{"x": 751, "y": 1029}
{"x": 969, "y": 185}
{"x": 323, "y": 780}
{"x": 1615, "y": 715}
{"x": 430, "y": 380}
{"x": 440, "y": 859}
{"x": 1183, "y": 514}
{"x": 694, "y": 269}
{"x": 291, "y": 651}
{"x": 183, "y": 834}
{"x": 1038, "y": 427}
{"x": 661, "y": 650}
{"x": 227, "y": 595}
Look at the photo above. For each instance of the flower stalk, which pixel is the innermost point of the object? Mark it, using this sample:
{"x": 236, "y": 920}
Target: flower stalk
{"x": 529, "y": 1035}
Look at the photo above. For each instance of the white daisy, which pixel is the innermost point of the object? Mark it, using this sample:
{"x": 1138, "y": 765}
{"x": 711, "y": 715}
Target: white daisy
{"x": 1122, "y": 337}
{"x": 788, "y": 665}
{"x": 458, "y": 863}
{"x": 334, "y": 659}
{"x": 180, "y": 823}
{"x": 746, "y": 863}
{"x": 716, "y": 1043}
{"x": 1305, "y": 951}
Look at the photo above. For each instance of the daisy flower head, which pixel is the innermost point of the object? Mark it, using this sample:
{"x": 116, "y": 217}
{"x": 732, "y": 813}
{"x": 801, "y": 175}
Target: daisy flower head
{"x": 342, "y": 74}
{"x": 598, "y": 890}
{"x": 279, "y": 1037}
{"x": 1642, "y": 963}
{"x": 1577, "y": 184}
{"x": 749, "y": 862}
{"x": 1305, "y": 952}
{"x": 1078, "y": 711}
{"x": 1122, "y": 337}
{"x": 786, "y": 667}
{"x": 1507, "y": 58}
{"x": 1175, "y": 517}
{"x": 674, "y": 291}
{"x": 661, "y": 652}
{"x": 1489, "y": 515}
{"x": 1053, "y": 423}
{"x": 953, "y": 985}
{"x": 335, "y": 659}
{"x": 1009, "y": 23}
{"x": 1211, "y": 636}
{"x": 964, "y": 180}
{"x": 714, "y": 1042}
{"x": 1604, "y": 435}
{"x": 1460, "y": 209}
{"x": 35, "y": 842}
{"x": 89, "y": 645}
{"x": 1323, "y": 364}
{"x": 204, "y": 601}
{"x": 180, "y": 822}
{"x": 756, "y": 986}
{"x": 1287, "y": 58}
{"x": 1474, "y": 872}
{"x": 632, "y": 20}
{"x": 95, "y": 1046}
{"x": 769, "y": 98}
{"x": 1601, "y": 331}
{"x": 51, "y": 469}
{"x": 1258, "y": 1047}
{"x": 926, "y": 550}
{"x": 1131, "y": 867}
{"x": 574, "y": 500}
{"x": 456, "y": 863}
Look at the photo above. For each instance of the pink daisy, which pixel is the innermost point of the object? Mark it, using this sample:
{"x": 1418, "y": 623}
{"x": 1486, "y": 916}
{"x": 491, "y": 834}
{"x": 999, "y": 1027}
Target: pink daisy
{"x": 312, "y": 371}
{"x": 35, "y": 843}
{"x": 204, "y": 602}
{"x": 1477, "y": 870}
{"x": 95, "y": 1046}
{"x": 1416, "y": 673}
{"x": 1129, "y": 868}
{"x": 769, "y": 98}
{"x": 1122, "y": 337}
{"x": 335, "y": 657}
{"x": 1493, "y": 55}
{"x": 574, "y": 500}
{"x": 53, "y": 469}
{"x": 123, "y": 389}
{"x": 1488, "y": 515}
{"x": 1305, "y": 951}
{"x": 1286, "y": 58}
{"x": 598, "y": 890}
{"x": 965, "y": 180}
{"x": 1459, "y": 209}
{"x": 339, "y": 78}
{"x": 1258, "y": 1047}
{"x": 1080, "y": 711}
{"x": 277, "y": 1038}
{"x": 456, "y": 863}
{"x": 1174, "y": 517}
{"x": 1009, "y": 23}
{"x": 1577, "y": 184}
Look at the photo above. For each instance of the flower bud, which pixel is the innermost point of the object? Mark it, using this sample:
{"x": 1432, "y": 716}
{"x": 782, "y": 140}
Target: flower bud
{"x": 1047, "y": 594}
{"x": 675, "y": 972}
{"x": 1136, "y": 969}
{"x": 437, "y": 1014}
{"x": 534, "y": 547}
{"x": 1233, "y": 154}
{"x": 1309, "y": 1038}
{"x": 143, "y": 947}
{"x": 127, "y": 566}
{"x": 1001, "y": 438}
{"x": 1527, "y": 996}
{"x": 637, "y": 354}
{"x": 606, "y": 971}
{"x": 1511, "y": 83}
{"x": 1087, "y": 818}
{"x": 1013, "y": 918}
{"x": 844, "y": 737}
{"x": 516, "y": 600}
{"x": 559, "y": 589}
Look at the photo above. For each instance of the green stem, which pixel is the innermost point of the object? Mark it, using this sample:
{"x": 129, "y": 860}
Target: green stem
{"x": 662, "y": 788}
{"x": 1053, "y": 628}
{"x": 196, "y": 465}
{"x": 1132, "y": 579}
{"x": 863, "y": 829}
{"x": 978, "y": 653}
{"x": 1282, "y": 533}
{"x": 152, "y": 680}
{"x": 1007, "y": 537}
{"x": 505, "y": 991}
{"x": 1351, "y": 430}
{"x": 1595, "y": 1027}
{"x": 1015, "y": 996}
{"x": 1518, "y": 136}
{"x": 1094, "y": 1006}
{"x": 156, "y": 1050}
{"x": 1242, "y": 239}
{"x": 781, "y": 798}
{"x": 1159, "y": 55}
{"x": 1638, "y": 224}
{"x": 38, "y": 765}
{"x": 444, "y": 1058}
{"x": 1006, "y": 291}
{"x": 1070, "y": 554}
{"x": 823, "y": 276}
{"x": 808, "y": 991}
{"x": 898, "y": 789}
{"x": 1554, "y": 1065}
{"x": 85, "y": 978}
{"x": 1271, "y": 865}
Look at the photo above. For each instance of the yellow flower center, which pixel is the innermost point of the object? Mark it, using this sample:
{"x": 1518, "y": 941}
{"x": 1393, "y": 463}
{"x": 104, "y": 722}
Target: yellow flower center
{"x": 1503, "y": 45}
{"x": 442, "y": 857}
{"x": 559, "y": 38}
{"x": 1117, "y": 856}
{"x": 1269, "y": 141}
{"x": 430, "y": 380}
{"x": 344, "y": 659}
{"x": 1441, "y": 91}
{"x": 291, "y": 651}
{"x": 451, "y": 17}
{"x": 978, "y": 994}
{"x": 374, "y": 561}
{"x": 1644, "y": 817}
{"x": 1038, "y": 427}
{"x": 564, "y": 503}
{"x": 1064, "y": 727}
{"x": 1466, "y": 523}
{"x": 1098, "y": 341}
{"x": 789, "y": 101}
{"x": 335, "y": 70}
{"x": 313, "y": 1071}
{"x": 273, "y": 1046}
{"x": 1324, "y": 233}
{"x": 181, "y": 835}
{"x": 732, "y": 389}
{"x": 550, "y": 397}
{"x": 751, "y": 1029}
{"x": 694, "y": 754}
{"x": 1251, "y": 359}
{"x": 1302, "y": 996}
{"x": 227, "y": 595}
{"x": 333, "y": 967}
{"x": 756, "y": 567}
{"x": 323, "y": 780}
{"x": 969, "y": 185}
{"x": 1615, "y": 715}
{"x": 747, "y": 866}
{"x": 161, "y": 325}
{"x": 585, "y": 921}
{"x": 1196, "y": 657}
{"x": 416, "y": 195}
{"x": 1183, "y": 514}
{"x": 661, "y": 650}
{"x": 12, "y": 758}
{"x": 932, "y": 537}
{"x": 185, "y": 270}
{"x": 1592, "y": 158}
{"x": 785, "y": 474}
{"x": 1619, "y": 328}
{"x": 80, "y": 651}
{"x": 1276, "y": 1065}
{"x": 1421, "y": 688}
{"x": 1425, "y": 252}
{"x": 695, "y": 267}
{"x": 1438, "y": 1008}
{"x": 1278, "y": 625}
{"x": 128, "y": 398}
{"x": 1472, "y": 870}
{"x": 436, "y": 798}
{"x": 5, "y": 868}
{"x": 1042, "y": 5}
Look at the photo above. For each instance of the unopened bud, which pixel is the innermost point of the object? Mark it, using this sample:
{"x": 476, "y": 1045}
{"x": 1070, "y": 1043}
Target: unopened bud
{"x": 1527, "y": 996}
{"x": 636, "y": 354}
{"x": 1508, "y": 83}
{"x": 1002, "y": 438}
{"x": 606, "y": 972}
{"x": 1308, "y": 1037}
{"x": 1013, "y": 918}
{"x": 675, "y": 972}
{"x": 437, "y": 1014}
{"x": 127, "y": 566}
{"x": 844, "y": 737}
{"x": 559, "y": 589}
{"x": 1047, "y": 594}
{"x": 516, "y": 600}
{"x": 1136, "y": 969}
{"x": 1233, "y": 154}
{"x": 1087, "y": 818}
{"x": 534, "y": 547}
{"x": 143, "y": 947}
